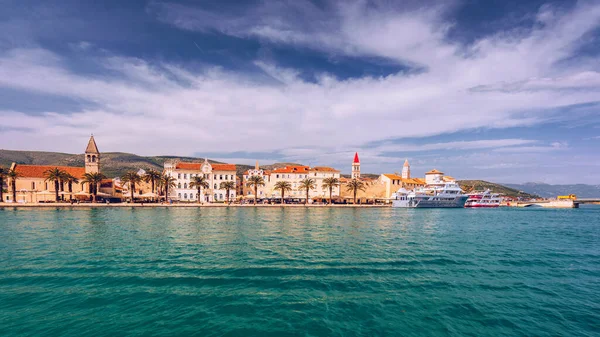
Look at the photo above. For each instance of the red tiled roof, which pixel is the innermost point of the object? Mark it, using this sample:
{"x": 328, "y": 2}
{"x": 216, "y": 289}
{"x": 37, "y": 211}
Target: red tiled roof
{"x": 434, "y": 171}
{"x": 292, "y": 169}
{"x": 37, "y": 171}
{"x": 223, "y": 167}
{"x": 188, "y": 166}
{"x": 356, "y": 160}
{"x": 198, "y": 166}
{"x": 324, "y": 169}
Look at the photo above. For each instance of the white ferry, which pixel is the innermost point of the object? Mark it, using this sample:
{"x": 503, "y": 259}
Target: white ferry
{"x": 485, "y": 199}
{"x": 448, "y": 195}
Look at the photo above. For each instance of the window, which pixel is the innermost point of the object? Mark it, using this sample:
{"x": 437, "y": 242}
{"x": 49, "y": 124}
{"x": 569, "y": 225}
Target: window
{"x": 46, "y": 188}
{"x": 32, "y": 185}
{"x": 179, "y": 185}
{"x": 179, "y": 195}
{"x": 178, "y": 175}
{"x": 215, "y": 186}
{"x": 215, "y": 196}
{"x": 185, "y": 185}
{"x": 278, "y": 176}
{"x": 220, "y": 196}
{"x": 315, "y": 174}
{"x": 221, "y": 177}
{"x": 185, "y": 195}
{"x": 185, "y": 176}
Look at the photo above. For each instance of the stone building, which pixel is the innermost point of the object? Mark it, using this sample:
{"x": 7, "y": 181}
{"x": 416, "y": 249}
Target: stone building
{"x": 214, "y": 173}
{"x": 32, "y": 187}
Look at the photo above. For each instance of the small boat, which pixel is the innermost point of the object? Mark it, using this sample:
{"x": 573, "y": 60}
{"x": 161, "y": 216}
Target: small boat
{"x": 448, "y": 195}
{"x": 485, "y": 199}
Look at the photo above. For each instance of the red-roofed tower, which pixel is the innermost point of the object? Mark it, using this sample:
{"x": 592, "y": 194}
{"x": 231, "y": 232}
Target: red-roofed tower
{"x": 356, "y": 167}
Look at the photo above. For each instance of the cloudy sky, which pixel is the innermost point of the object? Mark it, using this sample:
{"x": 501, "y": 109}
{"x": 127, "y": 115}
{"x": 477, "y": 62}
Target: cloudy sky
{"x": 502, "y": 90}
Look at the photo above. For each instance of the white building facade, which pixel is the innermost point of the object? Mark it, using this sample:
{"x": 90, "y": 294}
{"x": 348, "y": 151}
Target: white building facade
{"x": 215, "y": 174}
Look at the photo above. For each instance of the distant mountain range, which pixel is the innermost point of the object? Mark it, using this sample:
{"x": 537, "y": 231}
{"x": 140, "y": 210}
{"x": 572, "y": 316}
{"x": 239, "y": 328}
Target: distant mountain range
{"x": 552, "y": 191}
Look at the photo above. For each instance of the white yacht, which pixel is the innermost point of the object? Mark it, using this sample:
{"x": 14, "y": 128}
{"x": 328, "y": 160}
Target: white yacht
{"x": 448, "y": 195}
{"x": 485, "y": 199}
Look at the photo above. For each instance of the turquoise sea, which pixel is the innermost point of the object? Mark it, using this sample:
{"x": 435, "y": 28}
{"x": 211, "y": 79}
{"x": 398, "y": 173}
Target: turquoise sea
{"x": 299, "y": 272}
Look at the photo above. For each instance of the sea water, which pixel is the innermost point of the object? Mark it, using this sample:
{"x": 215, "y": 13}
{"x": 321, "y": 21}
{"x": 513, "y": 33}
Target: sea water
{"x": 299, "y": 272}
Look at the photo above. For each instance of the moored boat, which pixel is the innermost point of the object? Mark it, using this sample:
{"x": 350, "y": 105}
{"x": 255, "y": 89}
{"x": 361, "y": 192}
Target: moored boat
{"x": 485, "y": 199}
{"x": 448, "y": 195}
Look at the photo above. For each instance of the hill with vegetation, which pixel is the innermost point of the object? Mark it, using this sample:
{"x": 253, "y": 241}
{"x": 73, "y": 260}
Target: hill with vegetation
{"x": 114, "y": 164}
{"x": 482, "y": 185}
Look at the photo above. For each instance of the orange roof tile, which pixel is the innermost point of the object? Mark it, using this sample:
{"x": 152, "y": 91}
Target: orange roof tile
{"x": 292, "y": 169}
{"x": 393, "y": 176}
{"x": 223, "y": 167}
{"x": 37, "y": 171}
{"x": 434, "y": 171}
{"x": 198, "y": 166}
{"x": 323, "y": 169}
{"x": 188, "y": 166}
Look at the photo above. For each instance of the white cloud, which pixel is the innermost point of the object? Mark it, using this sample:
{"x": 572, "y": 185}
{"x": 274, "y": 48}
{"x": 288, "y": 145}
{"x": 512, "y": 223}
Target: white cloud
{"x": 500, "y": 81}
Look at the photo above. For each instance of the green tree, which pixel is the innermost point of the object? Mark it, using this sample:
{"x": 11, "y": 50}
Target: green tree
{"x": 354, "y": 186}
{"x": 166, "y": 182}
{"x": 3, "y": 173}
{"x": 56, "y": 175}
{"x": 227, "y": 186}
{"x": 199, "y": 182}
{"x": 93, "y": 180}
{"x": 283, "y": 186}
{"x": 255, "y": 182}
{"x": 307, "y": 184}
{"x": 152, "y": 176}
{"x": 70, "y": 180}
{"x": 131, "y": 178}
{"x": 13, "y": 176}
{"x": 330, "y": 183}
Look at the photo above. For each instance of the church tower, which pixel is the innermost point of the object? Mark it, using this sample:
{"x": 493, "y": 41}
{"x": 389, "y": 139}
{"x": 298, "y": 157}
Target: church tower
{"x": 92, "y": 157}
{"x": 406, "y": 170}
{"x": 356, "y": 167}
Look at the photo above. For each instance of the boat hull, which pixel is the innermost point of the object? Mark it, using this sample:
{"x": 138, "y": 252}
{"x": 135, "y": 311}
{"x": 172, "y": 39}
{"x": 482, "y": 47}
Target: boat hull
{"x": 482, "y": 206}
{"x": 458, "y": 202}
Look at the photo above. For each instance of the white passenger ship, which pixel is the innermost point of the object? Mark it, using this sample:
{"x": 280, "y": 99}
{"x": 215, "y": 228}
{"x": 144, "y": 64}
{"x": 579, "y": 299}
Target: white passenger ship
{"x": 485, "y": 199}
{"x": 448, "y": 195}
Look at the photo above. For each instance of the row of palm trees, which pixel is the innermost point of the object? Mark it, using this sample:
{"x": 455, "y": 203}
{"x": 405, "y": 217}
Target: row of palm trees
{"x": 165, "y": 182}
{"x": 57, "y": 176}
{"x": 307, "y": 184}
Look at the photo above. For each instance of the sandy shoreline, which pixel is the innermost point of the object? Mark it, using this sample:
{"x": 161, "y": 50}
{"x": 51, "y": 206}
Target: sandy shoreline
{"x": 137, "y": 205}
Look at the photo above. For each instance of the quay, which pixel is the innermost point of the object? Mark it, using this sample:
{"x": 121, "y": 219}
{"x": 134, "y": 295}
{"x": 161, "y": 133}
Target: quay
{"x": 181, "y": 205}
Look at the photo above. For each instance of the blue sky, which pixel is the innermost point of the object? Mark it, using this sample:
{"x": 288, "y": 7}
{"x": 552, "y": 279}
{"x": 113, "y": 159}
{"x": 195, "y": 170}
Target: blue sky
{"x": 507, "y": 91}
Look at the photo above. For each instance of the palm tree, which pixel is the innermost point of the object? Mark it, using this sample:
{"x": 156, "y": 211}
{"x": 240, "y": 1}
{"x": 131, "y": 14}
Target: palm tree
{"x": 227, "y": 186}
{"x": 199, "y": 182}
{"x": 355, "y": 185}
{"x": 131, "y": 178}
{"x": 307, "y": 184}
{"x": 13, "y": 176}
{"x": 283, "y": 186}
{"x": 255, "y": 182}
{"x": 3, "y": 173}
{"x": 330, "y": 183}
{"x": 93, "y": 180}
{"x": 166, "y": 182}
{"x": 70, "y": 180}
{"x": 56, "y": 175}
{"x": 152, "y": 176}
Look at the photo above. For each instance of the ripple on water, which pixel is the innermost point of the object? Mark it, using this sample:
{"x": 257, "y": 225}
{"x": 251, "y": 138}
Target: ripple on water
{"x": 291, "y": 272}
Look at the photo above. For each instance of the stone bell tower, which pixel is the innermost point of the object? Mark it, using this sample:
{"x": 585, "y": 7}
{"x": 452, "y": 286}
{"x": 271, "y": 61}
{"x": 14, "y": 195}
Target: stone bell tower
{"x": 406, "y": 170}
{"x": 92, "y": 157}
{"x": 356, "y": 167}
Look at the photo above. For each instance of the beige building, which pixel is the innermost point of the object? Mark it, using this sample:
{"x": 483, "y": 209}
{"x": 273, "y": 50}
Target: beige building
{"x": 32, "y": 187}
{"x": 293, "y": 174}
{"x": 394, "y": 182}
{"x": 214, "y": 173}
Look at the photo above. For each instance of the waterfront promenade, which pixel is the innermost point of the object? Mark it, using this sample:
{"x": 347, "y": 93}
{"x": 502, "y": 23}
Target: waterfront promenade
{"x": 165, "y": 205}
